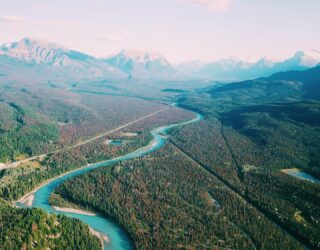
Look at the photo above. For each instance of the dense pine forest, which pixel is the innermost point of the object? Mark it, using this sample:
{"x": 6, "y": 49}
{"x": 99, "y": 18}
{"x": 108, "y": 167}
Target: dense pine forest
{"x": 168, "y": 201}
{"x": 35, "y": 229}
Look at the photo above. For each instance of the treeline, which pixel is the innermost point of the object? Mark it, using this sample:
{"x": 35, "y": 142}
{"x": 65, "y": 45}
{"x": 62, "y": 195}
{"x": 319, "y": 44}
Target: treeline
{"x": 35, "y": 229}
{"x": 166, "y": 201}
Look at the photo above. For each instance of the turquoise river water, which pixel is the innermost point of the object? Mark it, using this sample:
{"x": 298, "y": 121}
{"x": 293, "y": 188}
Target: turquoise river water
{"x": 303, "y": 176}
{"x": 119, "y": 239}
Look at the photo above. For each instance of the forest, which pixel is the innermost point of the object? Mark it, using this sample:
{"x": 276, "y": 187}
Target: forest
{"x": 19, "y": 129}
{"x": 167, "y": 201}
{"x": 17, "y": 181}
{"x": 248, "y": 139}
{"x": 35, "y": 229}
{"x": 37, "y": 123}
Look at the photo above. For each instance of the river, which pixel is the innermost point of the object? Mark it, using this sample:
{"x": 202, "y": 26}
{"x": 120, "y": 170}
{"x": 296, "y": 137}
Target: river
{"x": 119, "y": 239}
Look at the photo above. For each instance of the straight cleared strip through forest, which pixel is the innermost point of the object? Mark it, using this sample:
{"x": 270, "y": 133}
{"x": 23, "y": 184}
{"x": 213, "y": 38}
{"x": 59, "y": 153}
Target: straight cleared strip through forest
{"x": 17, "y": 163}
{"x": 263, "y": 211}
{"x": 116, "y": 129}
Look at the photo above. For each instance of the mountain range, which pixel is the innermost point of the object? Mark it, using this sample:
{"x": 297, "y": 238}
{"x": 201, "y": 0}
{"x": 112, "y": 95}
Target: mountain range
{"x": 32, "y": 57}
{"x": 234, "y": 69}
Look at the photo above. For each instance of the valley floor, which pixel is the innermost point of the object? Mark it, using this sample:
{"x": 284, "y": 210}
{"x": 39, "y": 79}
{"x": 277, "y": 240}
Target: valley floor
{"x": 218, "y": 183}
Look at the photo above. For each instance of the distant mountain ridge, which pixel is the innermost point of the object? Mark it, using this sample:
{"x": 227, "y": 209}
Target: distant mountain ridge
{"x": 233, "y": 69}
{"x": 61, "y": 63}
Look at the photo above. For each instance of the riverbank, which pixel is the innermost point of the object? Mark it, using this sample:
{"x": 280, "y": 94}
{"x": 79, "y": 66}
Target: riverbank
{"x": 291, "y": 170}
{"x": 104, "y": 239}
{"x": 73, "y": 210}
{"x": 28, "y": 200}
{"x": 30, "y": 196}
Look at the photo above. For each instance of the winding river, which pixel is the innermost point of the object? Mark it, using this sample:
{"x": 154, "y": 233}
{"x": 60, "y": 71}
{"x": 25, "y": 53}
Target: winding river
{"x": 119, "y": 239}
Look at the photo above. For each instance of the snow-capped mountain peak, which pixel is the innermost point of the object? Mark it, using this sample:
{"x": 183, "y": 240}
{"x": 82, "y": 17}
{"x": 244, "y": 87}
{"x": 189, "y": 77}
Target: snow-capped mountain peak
{"x": 231, "y": 59}
{"x": 308, "y": 59}
{"x": 266, "y": 62}
{"x": 142, "y": 56}
{"x": 142, "y": 64}
{"x": 41, "y": 52}
{"x": 234, "y": 69}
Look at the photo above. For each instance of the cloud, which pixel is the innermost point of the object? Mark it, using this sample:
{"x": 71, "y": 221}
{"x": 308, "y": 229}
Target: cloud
{"x": 113, "y": 37}
{"x": 13, "y": 19}
{"x": 212, "y": 5}
{"x": 23, "y": 20}
{"x": 117, "y": 37}
{"x": 53, "y": 24}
